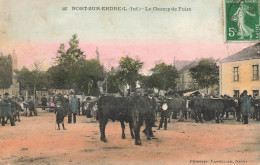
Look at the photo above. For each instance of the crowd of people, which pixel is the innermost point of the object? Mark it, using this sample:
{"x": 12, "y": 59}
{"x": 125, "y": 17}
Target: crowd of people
{"x": 243, "y": 107}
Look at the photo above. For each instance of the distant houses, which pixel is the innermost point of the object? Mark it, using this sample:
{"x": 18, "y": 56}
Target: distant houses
{"x": 240, "y": 72}
{"x": 185, "y": 81}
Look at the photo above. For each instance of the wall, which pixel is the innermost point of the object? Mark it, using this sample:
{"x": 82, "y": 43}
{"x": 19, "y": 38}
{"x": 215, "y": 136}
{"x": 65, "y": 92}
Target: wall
{"x": 227, "y": 85}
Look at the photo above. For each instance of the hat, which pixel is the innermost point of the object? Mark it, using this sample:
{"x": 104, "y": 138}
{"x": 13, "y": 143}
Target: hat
{"x": 72, "y": 91}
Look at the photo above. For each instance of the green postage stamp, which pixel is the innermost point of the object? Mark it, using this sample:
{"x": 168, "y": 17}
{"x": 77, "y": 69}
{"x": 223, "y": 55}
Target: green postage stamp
{"x": 242, "y": 20}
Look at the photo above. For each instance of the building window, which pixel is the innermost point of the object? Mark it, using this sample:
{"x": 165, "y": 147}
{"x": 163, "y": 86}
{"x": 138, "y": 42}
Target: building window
{"x": 236, "y": 93}
{"x": 236, "y": 73}
{"x": 255, "y": 72}
{"x": 255, "y": 93}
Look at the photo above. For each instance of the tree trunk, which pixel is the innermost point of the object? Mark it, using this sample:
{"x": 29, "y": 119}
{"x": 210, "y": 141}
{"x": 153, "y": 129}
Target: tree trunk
{"x": 27, "y": 91}
{"x": 34, "y": 90}
{"x": 129, "y": 91}
{"x": 106, "y": 86}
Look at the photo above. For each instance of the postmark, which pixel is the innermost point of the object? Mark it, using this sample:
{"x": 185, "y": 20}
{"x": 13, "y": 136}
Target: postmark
{"x": 242, "y": 20}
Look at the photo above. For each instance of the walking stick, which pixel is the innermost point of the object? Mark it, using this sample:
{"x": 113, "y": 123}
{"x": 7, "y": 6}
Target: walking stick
{"x": 55, "y": 120}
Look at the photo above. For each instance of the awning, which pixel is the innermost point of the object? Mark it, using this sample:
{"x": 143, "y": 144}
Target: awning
{"x": 192, "y": 92}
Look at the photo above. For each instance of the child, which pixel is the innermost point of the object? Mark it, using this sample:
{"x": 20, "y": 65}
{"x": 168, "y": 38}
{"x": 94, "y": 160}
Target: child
{"x": 60, "y": 114}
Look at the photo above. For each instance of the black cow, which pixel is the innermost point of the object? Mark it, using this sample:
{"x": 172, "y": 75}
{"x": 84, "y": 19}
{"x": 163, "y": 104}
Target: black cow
{"x": 133, "y": 110}
{"x": 210, "y": 108}
{"x": 177, "y": 105}
{"x": 114, "y": 108}
{"x": 229, "y": 107}
{"x": 142, "y": 110}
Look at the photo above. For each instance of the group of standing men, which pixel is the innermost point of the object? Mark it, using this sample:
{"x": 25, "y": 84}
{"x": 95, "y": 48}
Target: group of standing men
{"x": 64, "y": 106}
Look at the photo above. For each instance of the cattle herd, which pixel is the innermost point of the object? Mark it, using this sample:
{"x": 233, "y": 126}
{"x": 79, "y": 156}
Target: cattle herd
{"x": 143, "y": 108}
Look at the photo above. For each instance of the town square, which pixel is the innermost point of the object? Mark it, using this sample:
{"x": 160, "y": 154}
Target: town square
{"x": 129, "y": 82}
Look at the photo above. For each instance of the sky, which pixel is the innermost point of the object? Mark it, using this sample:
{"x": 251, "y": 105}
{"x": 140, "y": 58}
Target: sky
{"x": 35, "y": 29}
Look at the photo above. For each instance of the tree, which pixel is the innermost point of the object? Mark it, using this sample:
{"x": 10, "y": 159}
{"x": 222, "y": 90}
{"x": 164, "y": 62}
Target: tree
{"x": 87, "y": 74}
{"x": 72, "y": 55}
{"x": 129, "y": 71}
{"x": 72, "y": 70}
{"x": 205, "y": 73}
{"x": 113, "y": 82}
{"x": 67, "y": 63}
{"x": 6, "y": 72}
{"x": 57, "y": 76}
{"x": 31, "y": 80}
{"x": 163, "y": 77}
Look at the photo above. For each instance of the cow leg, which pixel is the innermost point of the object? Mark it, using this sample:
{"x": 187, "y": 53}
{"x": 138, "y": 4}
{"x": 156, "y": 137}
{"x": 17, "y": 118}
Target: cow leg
{"x": 161, "y": 121}
{"x": 137, "y": 125}
{"x": 257, "y": 114}
{"x": 227, "y": 114}
{"x": 18, "y": 115}
{"x": 218, "y": 116}
{"x": 174, "y": 116}
{"x": 102, "y": 125}
{"x": 200, "y": 119}
{"x": 123, "y": 129}
{"x": 131, "y": 129}
{"x": 12, "y": 121}
{"x": 196, "y": 116}
{"x": 181, "y": 116}
{"x": 148, "y": 127}
{"x": 6, "y": 119}
{"x": 3, "y": 121}
{"x": 137, "y": 135}
{"x": 58, "y": 125}
{"x": 234, "y": 112}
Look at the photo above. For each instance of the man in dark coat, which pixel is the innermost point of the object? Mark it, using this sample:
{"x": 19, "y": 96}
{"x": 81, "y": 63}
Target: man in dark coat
{"x": 164, "y": 115}
{"x": 7, "y": 110}
{"x": 245, "y": 106}
{"x": 238, "y": 108}
{"x": 31, "y": 107}
{"x": 44, "y": 102}
{"x": 73, "y": 107}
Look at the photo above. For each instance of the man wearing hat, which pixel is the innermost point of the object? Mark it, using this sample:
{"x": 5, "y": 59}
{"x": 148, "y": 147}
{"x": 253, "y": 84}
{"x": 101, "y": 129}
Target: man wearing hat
{"x": 7, "y": 111}
{"x": 73, "y": 107}
{"x": 44, "y": 102}
{"x": 245, "y": 106}
{"x": 31, "y": 107}
{"x": 164, "y": 115}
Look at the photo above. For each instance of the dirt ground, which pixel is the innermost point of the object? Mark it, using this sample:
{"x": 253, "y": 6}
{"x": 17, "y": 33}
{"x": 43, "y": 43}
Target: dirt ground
{"x": 35, "y": 140}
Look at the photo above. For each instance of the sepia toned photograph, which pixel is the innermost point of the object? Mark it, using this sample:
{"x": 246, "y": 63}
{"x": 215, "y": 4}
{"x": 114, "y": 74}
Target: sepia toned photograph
{"x": 127, "y": 82}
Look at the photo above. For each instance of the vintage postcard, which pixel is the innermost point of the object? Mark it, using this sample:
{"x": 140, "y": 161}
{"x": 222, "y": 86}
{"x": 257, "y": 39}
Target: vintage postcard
{"x": 116, "y": 82}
